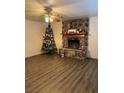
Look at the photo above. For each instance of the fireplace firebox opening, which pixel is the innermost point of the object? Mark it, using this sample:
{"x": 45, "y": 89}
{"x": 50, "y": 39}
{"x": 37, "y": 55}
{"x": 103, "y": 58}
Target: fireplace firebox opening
{"x": 73, "y": 43}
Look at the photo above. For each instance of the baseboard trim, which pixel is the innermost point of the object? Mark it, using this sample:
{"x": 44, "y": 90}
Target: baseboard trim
{"x": 91, "y": 58}
{"x": 38, "y": 54}
{"x": 34, "y": 55}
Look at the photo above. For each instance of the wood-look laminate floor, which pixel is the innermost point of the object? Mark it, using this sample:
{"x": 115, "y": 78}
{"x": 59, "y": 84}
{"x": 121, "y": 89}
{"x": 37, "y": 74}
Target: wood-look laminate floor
{"x": 52, "y": 74}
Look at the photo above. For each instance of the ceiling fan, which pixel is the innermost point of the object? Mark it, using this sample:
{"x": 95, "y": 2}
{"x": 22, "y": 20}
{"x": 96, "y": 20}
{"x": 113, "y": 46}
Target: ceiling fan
{"x": 49, "y": 13}
{"x": 50, "y": 16}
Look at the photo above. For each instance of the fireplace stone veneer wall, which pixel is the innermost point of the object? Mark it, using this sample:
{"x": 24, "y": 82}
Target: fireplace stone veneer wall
{"x": 71, "y": 40}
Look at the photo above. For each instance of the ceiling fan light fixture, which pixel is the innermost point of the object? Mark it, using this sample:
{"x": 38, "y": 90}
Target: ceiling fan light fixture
{"x": 48, "y": 19}
{"x": 51, "y": 20}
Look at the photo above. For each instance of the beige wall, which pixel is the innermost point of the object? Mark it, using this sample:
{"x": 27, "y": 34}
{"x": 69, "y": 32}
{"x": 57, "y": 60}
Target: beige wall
{"x": 35, "y": 30}
{"x": 33, "y": 37}
{"x": 93, "y": 38}
{"x": 57, "y": 30}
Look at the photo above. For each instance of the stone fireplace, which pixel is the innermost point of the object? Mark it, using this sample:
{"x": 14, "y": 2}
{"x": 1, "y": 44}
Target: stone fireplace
{"x": 75, "y": 38}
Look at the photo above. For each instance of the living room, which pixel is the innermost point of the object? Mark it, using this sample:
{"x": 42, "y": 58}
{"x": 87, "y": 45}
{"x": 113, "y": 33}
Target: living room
{"x": 53, "y": 46}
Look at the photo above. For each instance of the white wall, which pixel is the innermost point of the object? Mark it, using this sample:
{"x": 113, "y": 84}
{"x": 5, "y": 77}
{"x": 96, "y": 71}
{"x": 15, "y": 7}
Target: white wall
{"x": 33, "y": 37}
{"x": 93, "y": 38}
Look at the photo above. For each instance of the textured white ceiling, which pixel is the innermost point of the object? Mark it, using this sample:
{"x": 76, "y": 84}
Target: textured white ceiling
{"x": 69, "y": 9}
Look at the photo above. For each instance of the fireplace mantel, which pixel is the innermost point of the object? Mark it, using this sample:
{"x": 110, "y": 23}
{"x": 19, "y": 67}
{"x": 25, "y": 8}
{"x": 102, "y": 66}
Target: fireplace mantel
{"x": 73, "y": 35}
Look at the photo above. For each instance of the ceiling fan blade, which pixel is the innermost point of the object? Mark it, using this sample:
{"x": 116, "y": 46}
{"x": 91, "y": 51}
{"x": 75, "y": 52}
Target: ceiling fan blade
{"x": 57, "y": 18}
{"x": 49, "y": 10}
{"x": 46, "y": 3}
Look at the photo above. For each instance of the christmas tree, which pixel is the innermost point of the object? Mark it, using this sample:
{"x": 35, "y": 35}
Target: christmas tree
{"x": 48, "y": 40}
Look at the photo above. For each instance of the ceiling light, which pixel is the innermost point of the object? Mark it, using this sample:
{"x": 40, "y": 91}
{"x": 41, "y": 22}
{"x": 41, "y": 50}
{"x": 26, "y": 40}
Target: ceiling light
{"x": 48, "y": 19}
{"x": 51, "y": 20}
